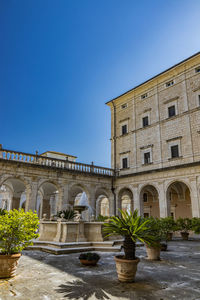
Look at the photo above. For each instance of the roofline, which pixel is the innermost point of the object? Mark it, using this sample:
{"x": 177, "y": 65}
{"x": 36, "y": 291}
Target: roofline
{"x": 153, "y": 77}
{"x": 58, "y": 153}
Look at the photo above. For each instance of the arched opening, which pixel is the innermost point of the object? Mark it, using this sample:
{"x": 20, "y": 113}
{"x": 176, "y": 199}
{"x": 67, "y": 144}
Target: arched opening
{"x": 104, "y": 208}
{"x": 102, "y": 202}
{"x": 78, "y": 195}
{"x": 47, "y": 199}
{"x": 125, "y": 200}
{"x": 12, "y": 194}
{"x": 149, "y": 200}
{"x": 179, "y": 200}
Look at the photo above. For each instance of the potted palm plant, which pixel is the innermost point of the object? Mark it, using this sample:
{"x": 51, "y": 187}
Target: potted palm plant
{"x": 132, "y": 227}
{"x": 184, "y": 225}
{"x": 17, "y": 229}
{"x": 68, "y": 214}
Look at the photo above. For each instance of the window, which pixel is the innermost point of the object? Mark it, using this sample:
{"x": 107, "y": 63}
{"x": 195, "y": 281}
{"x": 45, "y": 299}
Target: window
{"x": 124, "y": 129}
{"x": 144, "y": 96}
{"x": 147, "y": 158}
{"x": 146, "y": 215}
{"x": 145, "y": 121}
{"x": 199, "y": 99}
{"x": 169, "y": 83}
{"x": 124, "y": 163}
{"x": 197, "y": 70}
{"x": 145, "y": 197}
{"x": 124, "y": 106}
{"x": 171, "y": 111}
{"x": 174, "y": 151}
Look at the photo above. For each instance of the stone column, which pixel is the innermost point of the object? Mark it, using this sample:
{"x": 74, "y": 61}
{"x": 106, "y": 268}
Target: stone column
{"x": 111, "y": 200}
{"x": 31, "y": 196}
{"x": 164, "y": 201}
{"x": 92, "y": 200}
{"x": 63, "y": 198}
{"x": 137, "y": 201}
{"x": 195, "y": 198}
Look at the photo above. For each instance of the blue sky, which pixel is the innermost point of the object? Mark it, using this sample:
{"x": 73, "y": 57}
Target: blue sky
{"x": 61, "y": 60}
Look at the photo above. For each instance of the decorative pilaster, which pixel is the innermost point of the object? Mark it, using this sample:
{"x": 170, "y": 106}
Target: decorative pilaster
{"x": 195, "y": 197}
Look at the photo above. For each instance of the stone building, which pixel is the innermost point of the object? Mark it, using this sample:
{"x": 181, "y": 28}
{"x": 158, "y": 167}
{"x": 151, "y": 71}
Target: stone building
{"x": 155, "y": 140}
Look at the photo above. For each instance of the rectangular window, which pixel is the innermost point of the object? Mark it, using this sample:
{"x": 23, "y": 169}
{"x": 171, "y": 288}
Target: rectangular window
{"x": 171, "y": 111}
{"x": 145, "y": 197}
{"x": 147, "y": 158}
{"x": 197, "y": 70}
{"x": 145, "y": 121}
{"x": 124, "y": 129}
{"x": 146, "y": 215}
{"x": 125, "y": 163}
{"x": 124, "y": 106}
{"x": 199, "y": 99}
{"x": 174, "y": 151}
{"x": 144, "y": 96}
{"x": 169, "y": 83}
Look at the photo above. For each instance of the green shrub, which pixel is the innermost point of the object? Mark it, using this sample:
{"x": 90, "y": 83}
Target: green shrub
{"x": 101, "y": 218}
{"x": 168, "y": 225}
{"x": 2, "y": 211}
{"x": 69, "y": 214}
{"x": 196, "y": 225}
{"x": 17, "y": 229}
{"x": 184, "y": 224}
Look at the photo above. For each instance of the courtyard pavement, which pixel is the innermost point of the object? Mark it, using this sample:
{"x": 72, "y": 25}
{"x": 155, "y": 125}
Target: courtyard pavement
{"x": 42, "y": 276}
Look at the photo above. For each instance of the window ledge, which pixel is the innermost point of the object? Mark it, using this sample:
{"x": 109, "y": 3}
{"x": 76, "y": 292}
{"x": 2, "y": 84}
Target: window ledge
{"x": 146, "y": 164}
{"x": 124, "y": 134}
{"x": 124, "y": 168}
{"x": 175, "y": 158}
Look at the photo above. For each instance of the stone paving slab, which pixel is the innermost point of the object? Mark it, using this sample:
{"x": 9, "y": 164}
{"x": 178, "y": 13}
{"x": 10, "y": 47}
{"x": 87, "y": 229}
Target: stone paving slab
{"x": 43, "y": 276}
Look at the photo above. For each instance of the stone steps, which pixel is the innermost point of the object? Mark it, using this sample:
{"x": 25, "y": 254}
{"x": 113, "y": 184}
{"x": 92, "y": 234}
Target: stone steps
{"x": 66, "y": 250}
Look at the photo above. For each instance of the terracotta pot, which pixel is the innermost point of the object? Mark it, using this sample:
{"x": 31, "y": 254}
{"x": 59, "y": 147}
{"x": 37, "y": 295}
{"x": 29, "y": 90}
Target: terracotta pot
{"x": 169, "y": 236}
{"x": 185, "y": 236}
{"x": 8, "y": 265}
{"x": 86, "y": 262}
{"x": 153, "y": 253}
{"x": 126, "y": 269}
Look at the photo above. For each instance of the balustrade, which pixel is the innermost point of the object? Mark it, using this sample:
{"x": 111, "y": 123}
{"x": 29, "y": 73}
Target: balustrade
{"x": 53, "y": 162}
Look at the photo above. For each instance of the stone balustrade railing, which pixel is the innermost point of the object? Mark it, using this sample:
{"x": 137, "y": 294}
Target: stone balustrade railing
{"x": 53, "y": 162}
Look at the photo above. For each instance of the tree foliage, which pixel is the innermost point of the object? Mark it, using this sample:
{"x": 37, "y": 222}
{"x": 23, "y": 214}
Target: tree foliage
{"x": 17, "y": 229}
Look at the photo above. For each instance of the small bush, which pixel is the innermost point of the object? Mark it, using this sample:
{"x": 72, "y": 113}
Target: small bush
{"x": 196, "y": 225}
{"x": 101, "y": 218}
{"x": 17, "y": 229}
{"x": 89, "y": 256}
{"x": 184, "y": 224}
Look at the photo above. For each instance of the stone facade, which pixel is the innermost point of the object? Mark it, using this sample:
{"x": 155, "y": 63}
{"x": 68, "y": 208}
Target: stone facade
{"x": 155, "y": 145}
{"x": 155, "y": 138}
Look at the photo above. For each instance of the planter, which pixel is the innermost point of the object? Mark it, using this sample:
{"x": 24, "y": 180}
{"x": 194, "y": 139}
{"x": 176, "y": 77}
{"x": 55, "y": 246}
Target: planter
{"x": 126, "y": 269}
{"x": 185, "y": 236}
{"x": 153, "y": 253}
{"x": 86, "y": 262}
{"x": 8, "y": 265}
{"x": 163, "y": 246}
{"x": 169, "y": 236}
